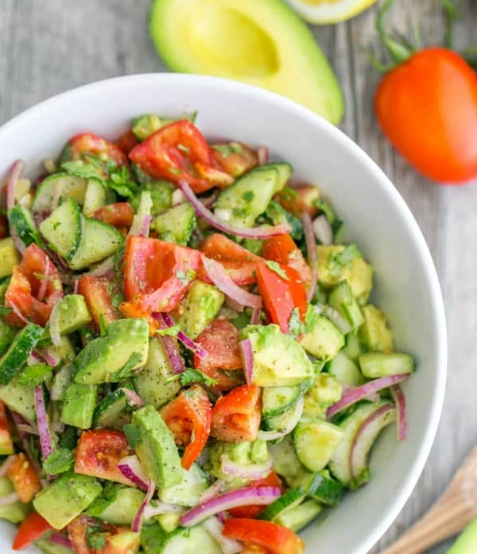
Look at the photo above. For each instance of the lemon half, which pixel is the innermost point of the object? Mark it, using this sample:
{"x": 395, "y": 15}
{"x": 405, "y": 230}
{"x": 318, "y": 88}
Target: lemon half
{"x": 329, "y": 11}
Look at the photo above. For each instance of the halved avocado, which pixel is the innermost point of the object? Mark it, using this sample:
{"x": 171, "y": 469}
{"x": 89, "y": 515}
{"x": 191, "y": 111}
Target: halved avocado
{"x": 261, "y": 42}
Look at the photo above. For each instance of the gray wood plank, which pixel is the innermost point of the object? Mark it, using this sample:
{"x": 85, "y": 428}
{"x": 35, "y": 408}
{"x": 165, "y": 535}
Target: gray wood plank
{"x": 50, "y": 46}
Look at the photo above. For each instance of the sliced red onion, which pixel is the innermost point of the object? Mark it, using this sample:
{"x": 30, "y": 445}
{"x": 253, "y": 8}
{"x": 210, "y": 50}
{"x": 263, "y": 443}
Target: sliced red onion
{"x": 210, "y": 200}
{"x": 222, "y": 517}
{"x": 293, "y": 422}
{"x": 133, "y": 398}
{"x": 241, "y": 497}
{"x": 263, "y": 155}
{"x": 335, "y": 317}
{"x": 214, "y": 527}
{"x": 42, "y": 421}
{"x": 16, "y": 309}
{"x": 362, "y": 392}
{"x": 9, "y": 499}
{"x": 13, "y": 176}
{"x": 221, "y": 279}
{"x": 131, "y": 468}
{"x": 7, "y": 464}
{"x": 256, "y": 314}
{"x": 242, "y": 471}
{"x": 366, "y": 436}
{"x": 214, "y": 221}
{"x": 160, "y": 508}
{"x": 212, "y": 491}
{"x": 62, "y": 540}
{"x": 186, "y": 341}
{"x": 103, "y": 269}
{"x": 57, "y": 388}
{"x": 323, "y": 230}
{"x": 246, "y": 352}
{"x": 76, "y": 286}
{"x": 55, "y": 324}
{"x": 311, "y": 251}
{"x": 140, "y": 226}
{"x": 50, "y": 356}
{"x": 34, "y": 358}
{"x": 25, "y": 440}
{"x": 170, "y": 347}
{"x": 136, "y": 526}
{"x": 28, "y": 429}
{"x": 234, "y": 305}
{"x": 400, "y": 401}
{"x": 345, "y": 388}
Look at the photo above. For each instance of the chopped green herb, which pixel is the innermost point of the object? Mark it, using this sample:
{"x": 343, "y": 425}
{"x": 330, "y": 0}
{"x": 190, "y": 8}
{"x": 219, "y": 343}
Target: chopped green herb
{"x": 185, "y": 149}
{"x": 94, "y": 538}
{"x": 83, "y": 169}
{"x": 343, "y": 259}
{"x": 107, "y": 497}
{"x": 59, "y": 461}
{"x": 103, "y": 327}
{"x": 248, "y": 196}
{"x": 275, "y": 266}
{"x": 236, "y": 148}
{"x": 295, "y": 324}
{"x": 69, "y": 438}
{"x": 169, "y": 331}
{"x": 175, "y": 170}
{"x": 4, "y": 310}
{"x": 35, "y": 374}
{"x": 120, "y": 181}
{"x": 133, "y": 434}
{"x": 193, "y": 376}
{"x": 311, "y": 319}
{"x": 128, "y": 370}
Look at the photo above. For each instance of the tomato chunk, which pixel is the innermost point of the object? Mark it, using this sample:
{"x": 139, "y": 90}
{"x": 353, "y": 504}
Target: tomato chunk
{"x": 157, "y": 274}
{"x": 175, "y": 152}
{"x": 127, "y": 141}
{"x": 236, "y": 416}
{"x": 24, "y": 478}
{"x": 116, "y": 540}
{"x": 272, "y": 480}
{"x": 282, "y": 249}
{"x": 275, "y": 538}
{"x": 221, "y": 340}
{"x": 35, "y": 287}
{"x": 32, "y": 528}
{"x": 282, "y": 294}
{"x": 89, "y": 143}
{"x": 300, "y": 200}
{"x": 189, "y": 418}
{"x": 118, "y": 215}
{"x": 236, "y": 158}
{"x": 96, "y": 292}
{"x": 99, "y": 452}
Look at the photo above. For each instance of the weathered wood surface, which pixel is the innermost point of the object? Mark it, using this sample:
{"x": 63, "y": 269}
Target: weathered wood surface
{"x": 49, "y": 46}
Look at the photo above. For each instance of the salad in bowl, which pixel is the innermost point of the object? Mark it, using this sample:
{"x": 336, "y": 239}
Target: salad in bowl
{"x": 188, "y": 354}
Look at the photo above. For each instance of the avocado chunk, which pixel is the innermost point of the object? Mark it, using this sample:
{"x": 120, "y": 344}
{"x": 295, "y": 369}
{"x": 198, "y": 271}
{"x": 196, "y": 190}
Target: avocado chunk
{"x": 19, "y": 398}
{"x": 375, "y": 333}
{"x": 152, "y": 382}
{"x": 277, "y": 50}
{"x": 199, "y": 308}
{"x": 48, "y": 547}
{"x": 113, "y": 358}
{"x": 324, "y": 340}
{"x": 466, "y": 542}
{"x": 9, "y": 257}
{"x": 243, "y": 453}
{"x": 72, "y": 314}
{"x": 66, "y": 498}
{"x": 79, "y": 405}
{"x": 156, "y": 448}
{"x": 188, "y": 492}
{"x": 118, "y": 504}
{"x": 177, "y": 224}
{"x": 332, "y": 269}
{"x": 278, "y": 359}
{"x": 326, "y": 390}
{"x": 15, "y": 512}
{"x": 241, "y": 203}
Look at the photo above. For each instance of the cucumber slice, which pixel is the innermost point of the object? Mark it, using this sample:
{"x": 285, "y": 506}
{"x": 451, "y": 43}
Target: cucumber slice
{"x": 353, "y": 348}
{"x": 63, "y": 229}
{"x": 341, "y": 298}
{"x": 364, "y": 440}
{"x": 177, "y": 224}
{"x": 277, "y": 400}
{"x": 340, "y": 463}
{"x": 190, "y": 540}
{"x": 124, "y": 507}
{"x": 300, "y": 516}
{"x": 16, "y": 356}
{"x": 315, "y": 441}
{"x": 323, "y": 488}
{"x": 186, "y": 493}
{"x": 21, "y": 219}
{"x": 19, "y": 398}
{"x": 285, "y": 460}
{"x": 377, "y": 364}
{"x": 69, "y": 187}
{"x": 345, "y": 370}
{"x": 284, "y": 421}
{"x": 289, "y": 500}
{"x": 113, "y": 411}
{"x": 98, "y": 241}
{"x": 96, "y": 197}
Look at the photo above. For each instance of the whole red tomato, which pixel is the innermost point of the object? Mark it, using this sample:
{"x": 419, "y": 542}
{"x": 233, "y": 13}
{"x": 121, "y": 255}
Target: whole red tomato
{"x": 427, "y": 107}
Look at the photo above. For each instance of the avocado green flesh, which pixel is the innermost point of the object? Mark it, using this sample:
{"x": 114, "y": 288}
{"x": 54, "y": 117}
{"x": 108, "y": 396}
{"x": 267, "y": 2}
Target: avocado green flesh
{"x": 261, "y": 42}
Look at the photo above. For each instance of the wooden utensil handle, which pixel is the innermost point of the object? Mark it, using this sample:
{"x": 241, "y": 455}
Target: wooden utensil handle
{"x": 445, "y": 519}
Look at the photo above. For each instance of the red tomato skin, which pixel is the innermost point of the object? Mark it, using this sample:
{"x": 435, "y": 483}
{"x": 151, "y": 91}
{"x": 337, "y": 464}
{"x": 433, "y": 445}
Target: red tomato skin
{"x": 221, "y": 340}
{"x": 34, "y": 297}
{"x": 98, "y": 453}
{"x": 118, "y": 215}
{"x": 236, "y": 163}
{"x": 189, "y": 418}
{"x": 427, "y": 108}
{"x": 236, "y": 416}
{"x": 96, "y": 292}
{"x": 300, "y": 199}
{"x": 3, "y": 227}
{"x": 24, "y": 478}
{"x": 272, "y": 480}
{"x": 114, "y": 536}
{"x": 93, "y": 144}
{"x": 33, "y": 527}
{"x": 127, "y": 141}
{"x": 283, "y": 250}
{"x": 274, "y": 537}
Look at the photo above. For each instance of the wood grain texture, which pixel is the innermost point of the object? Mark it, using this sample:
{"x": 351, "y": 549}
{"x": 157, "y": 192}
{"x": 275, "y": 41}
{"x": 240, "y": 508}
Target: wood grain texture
{"x": 49, "y": 46}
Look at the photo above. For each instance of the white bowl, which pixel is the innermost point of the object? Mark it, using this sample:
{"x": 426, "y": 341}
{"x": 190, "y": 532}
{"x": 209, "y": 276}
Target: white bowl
{"x": 376, "y": 218}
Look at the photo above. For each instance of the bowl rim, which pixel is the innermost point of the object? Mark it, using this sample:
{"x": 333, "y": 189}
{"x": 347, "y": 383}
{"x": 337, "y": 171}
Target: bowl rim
{"x": 430, "y": 273}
